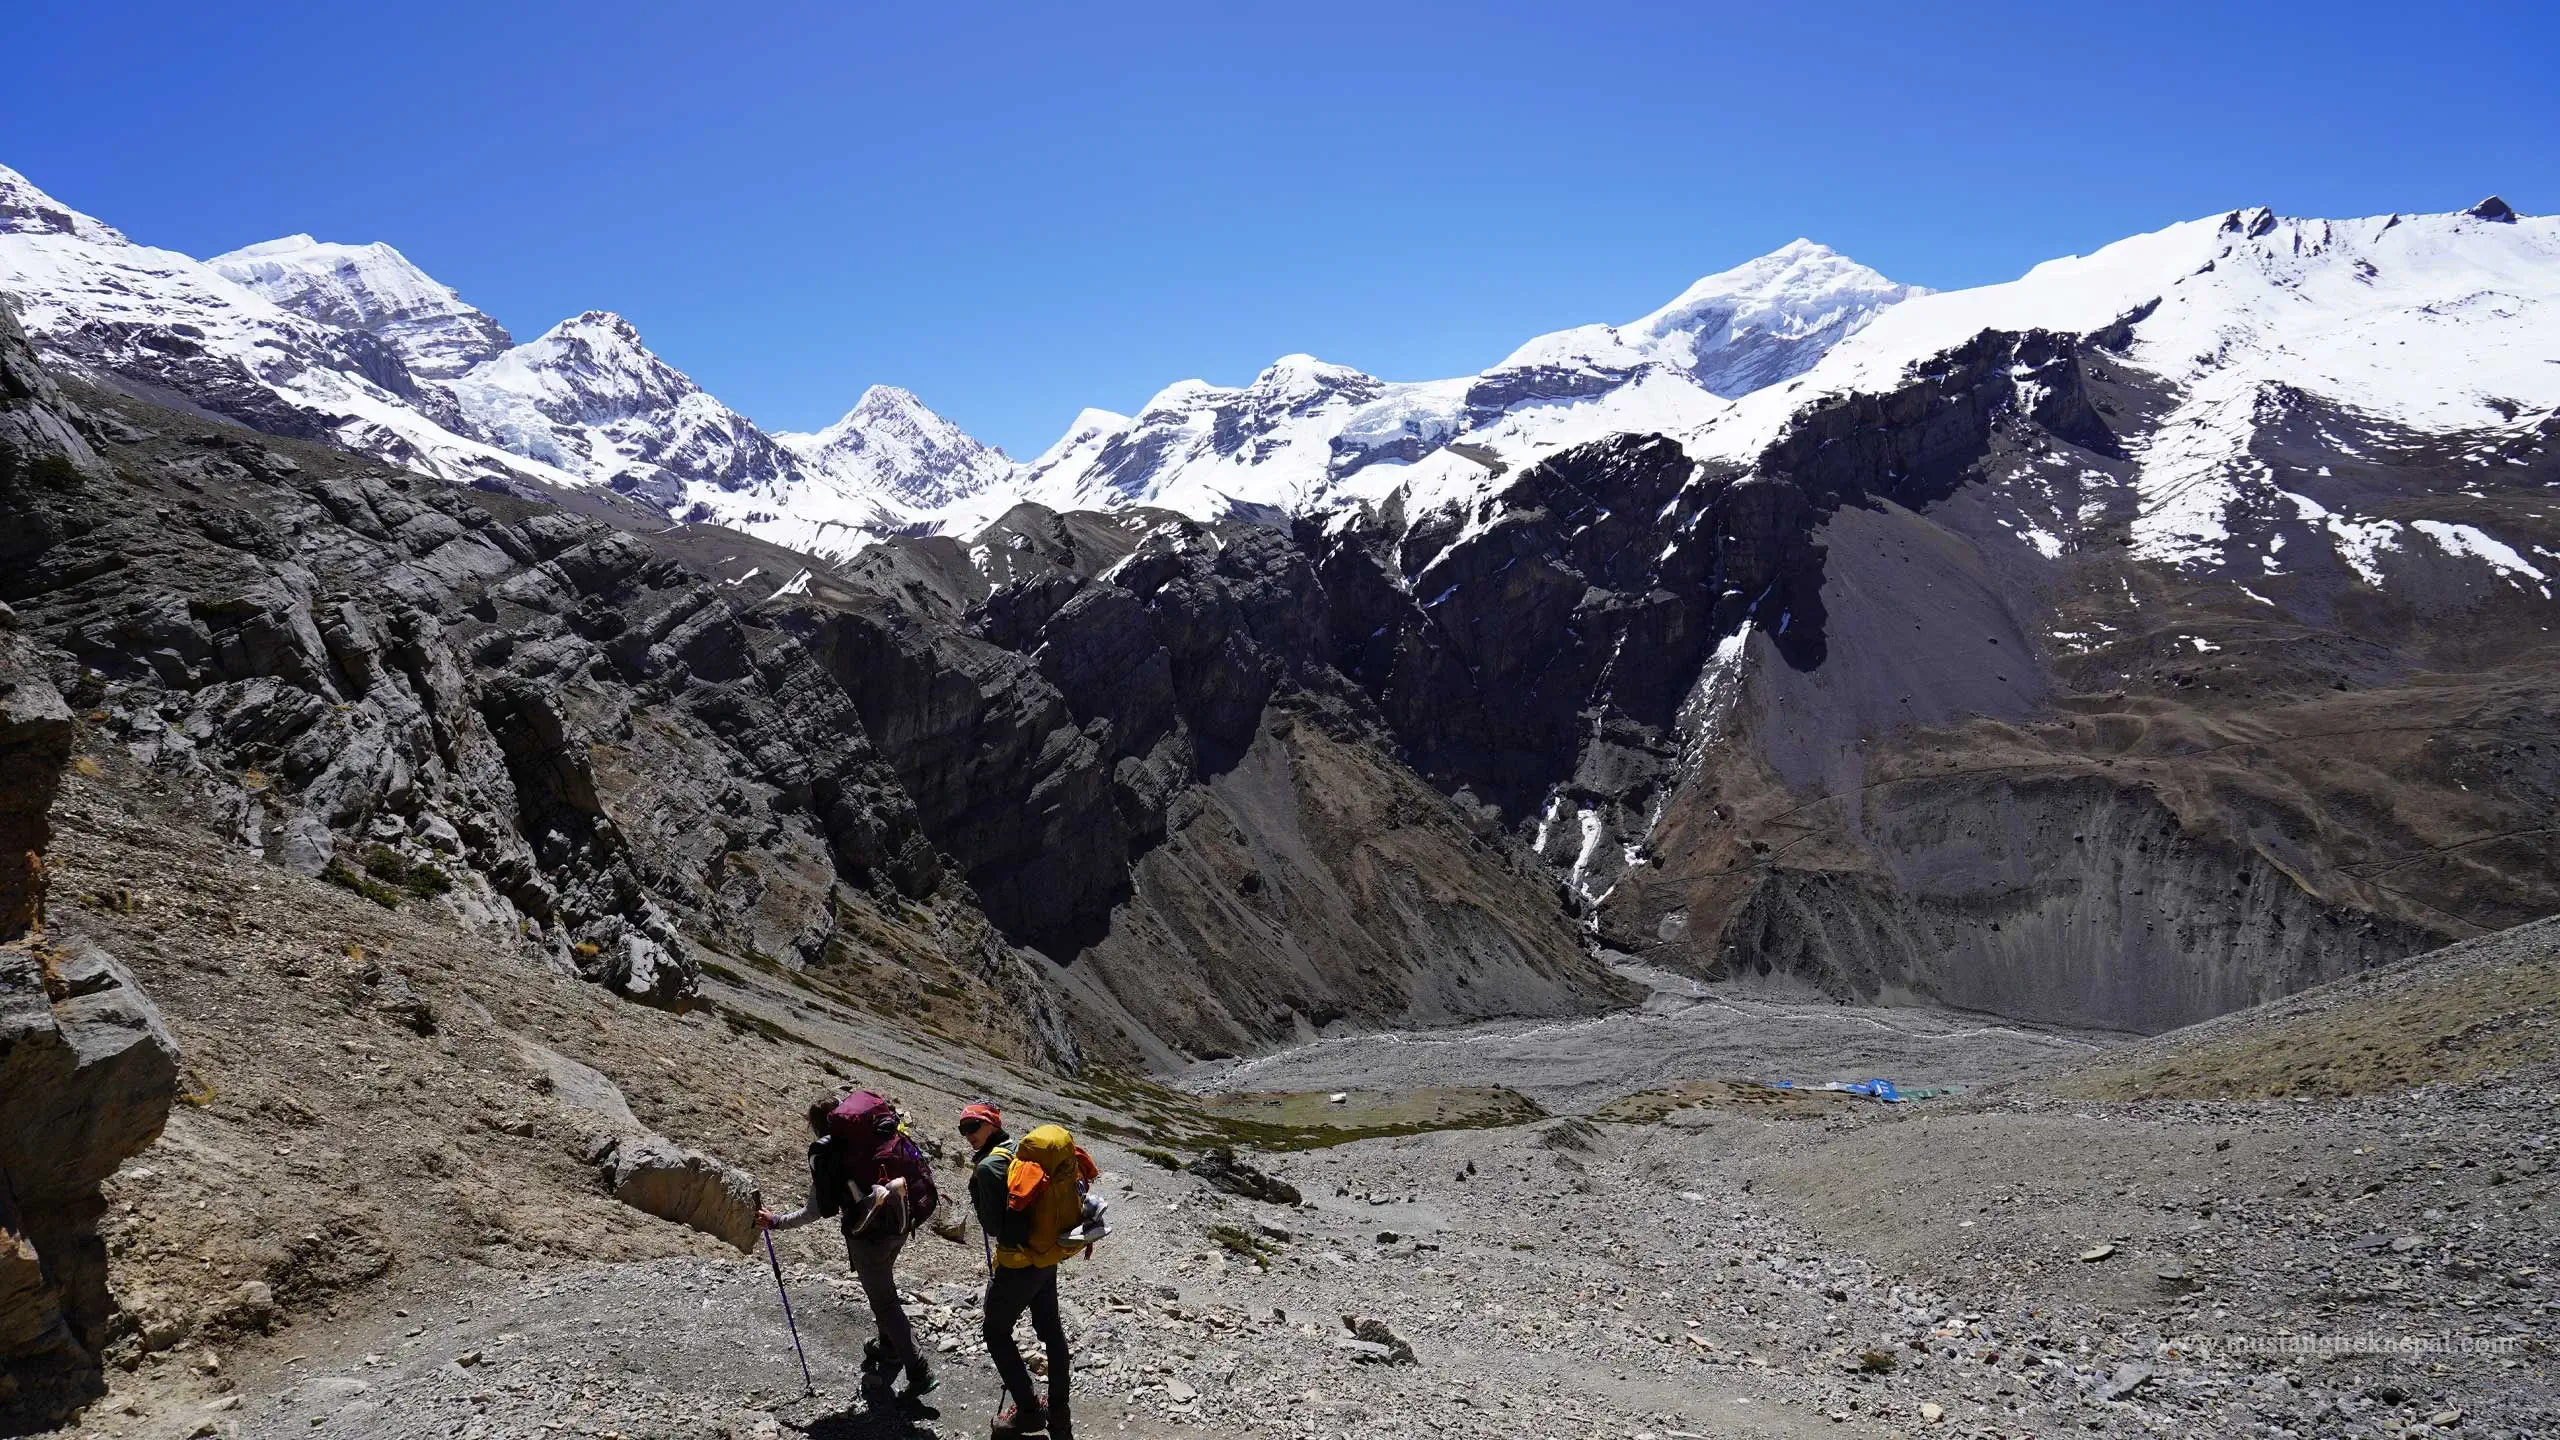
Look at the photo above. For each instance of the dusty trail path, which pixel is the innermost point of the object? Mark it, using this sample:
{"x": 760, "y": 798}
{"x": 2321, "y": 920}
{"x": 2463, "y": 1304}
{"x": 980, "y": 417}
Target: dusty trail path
{"x": 676, "y": 1348}
{"x": 1533, "y": 1311}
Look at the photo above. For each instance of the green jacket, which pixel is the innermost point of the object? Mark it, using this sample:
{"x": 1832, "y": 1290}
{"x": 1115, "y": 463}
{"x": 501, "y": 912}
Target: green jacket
{"x": 1004, "y": 1225}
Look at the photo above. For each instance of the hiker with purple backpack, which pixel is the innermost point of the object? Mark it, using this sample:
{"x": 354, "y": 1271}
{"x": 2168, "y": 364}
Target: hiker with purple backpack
{"x": 871, "y": 1176}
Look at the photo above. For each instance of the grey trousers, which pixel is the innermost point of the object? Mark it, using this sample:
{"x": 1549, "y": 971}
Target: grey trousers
{"x": 875, "y": 1264}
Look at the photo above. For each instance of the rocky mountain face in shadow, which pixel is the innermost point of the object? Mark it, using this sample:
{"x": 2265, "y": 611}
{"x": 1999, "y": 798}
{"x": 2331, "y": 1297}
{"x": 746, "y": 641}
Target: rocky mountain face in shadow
{"x": 1966, "y": 746}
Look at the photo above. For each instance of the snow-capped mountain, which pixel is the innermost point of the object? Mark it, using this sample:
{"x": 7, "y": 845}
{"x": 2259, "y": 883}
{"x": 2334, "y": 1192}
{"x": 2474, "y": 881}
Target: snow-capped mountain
{"x": 589, "y": 398}
{"x": 890, "y": 445}
{"x": 890, "y": 466}
{"x": 2392, "y": 331}
{"x": 357, "y": 345}
{"x": 1306, "y": 435}
{"x": 98, "y": 304}
{"x": 372, "y": 288}
{"x": 1733, "y": 332}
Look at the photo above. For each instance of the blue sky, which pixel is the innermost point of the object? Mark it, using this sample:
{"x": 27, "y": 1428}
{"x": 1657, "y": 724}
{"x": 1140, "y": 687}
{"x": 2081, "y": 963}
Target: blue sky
{"x": 1020, "y": 210}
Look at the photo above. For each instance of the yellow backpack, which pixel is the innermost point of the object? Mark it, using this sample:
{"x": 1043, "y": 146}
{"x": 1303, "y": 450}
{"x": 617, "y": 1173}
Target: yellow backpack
{"x": 1046, "y": 1181}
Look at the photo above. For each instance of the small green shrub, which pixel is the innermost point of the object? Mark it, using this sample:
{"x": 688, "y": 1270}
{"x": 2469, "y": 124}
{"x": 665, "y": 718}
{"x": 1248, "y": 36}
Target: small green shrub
{"x": 346, "y": 877}
{"x": 1243, "y": 1242}
{"x": 415, "y": 876}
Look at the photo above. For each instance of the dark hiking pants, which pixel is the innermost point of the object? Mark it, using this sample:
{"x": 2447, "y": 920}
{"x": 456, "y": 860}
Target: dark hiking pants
{"x": 875, "y": 1264}
{"x": 1009, "y": 1293}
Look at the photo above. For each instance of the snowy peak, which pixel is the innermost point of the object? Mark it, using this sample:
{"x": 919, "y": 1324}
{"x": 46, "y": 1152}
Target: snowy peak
{"x": 589, "y": 397}
{"x": 373, "y": 288}
{"x": 357, "y": 345}
{"x": 2435, "y": 321}
{"x": 587, "y": 370}
{"x": 2265, "y": 339}
{"x": 26, "y": 210}
{"x": 1735, "y": 331}
{"x": 892, "y": 445}
{"x": 1308, "y": 434}
{"x": 95, "y": 302}
{"x": 1307, "y": 375}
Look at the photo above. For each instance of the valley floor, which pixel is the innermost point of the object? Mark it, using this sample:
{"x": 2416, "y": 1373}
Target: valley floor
{"x": 1686, "y": 1030}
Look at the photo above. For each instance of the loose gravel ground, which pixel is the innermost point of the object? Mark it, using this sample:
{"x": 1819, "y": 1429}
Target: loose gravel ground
{"x": 2015, "y": 1259}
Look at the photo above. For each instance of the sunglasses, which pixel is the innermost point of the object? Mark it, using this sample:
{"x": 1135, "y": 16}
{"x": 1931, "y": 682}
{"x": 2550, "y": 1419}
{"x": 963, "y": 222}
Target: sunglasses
{"x": 972, "y": 1125}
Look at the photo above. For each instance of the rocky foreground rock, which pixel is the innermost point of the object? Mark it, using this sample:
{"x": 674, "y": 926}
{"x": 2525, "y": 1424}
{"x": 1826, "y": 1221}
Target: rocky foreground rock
{"x": 87, "y": 1073}
{"x": 653, "y": 1173}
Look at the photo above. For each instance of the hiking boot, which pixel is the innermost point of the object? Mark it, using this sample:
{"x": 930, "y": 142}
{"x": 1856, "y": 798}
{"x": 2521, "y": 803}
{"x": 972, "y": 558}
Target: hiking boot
{"x": 1014, "y": 1420}
{"x": 920, "y": 1380}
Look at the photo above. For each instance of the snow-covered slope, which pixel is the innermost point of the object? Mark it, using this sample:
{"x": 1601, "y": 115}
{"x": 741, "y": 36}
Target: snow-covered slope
{"x": 1306, "y": 435}
{"x": 1735, "y": 331}
{"x": 2422, "y": 324}
{"x": 372, "y": 288}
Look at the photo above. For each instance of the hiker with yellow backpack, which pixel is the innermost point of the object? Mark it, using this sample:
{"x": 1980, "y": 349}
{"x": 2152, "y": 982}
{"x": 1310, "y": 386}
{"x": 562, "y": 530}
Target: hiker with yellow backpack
{"x": 1034, "y": 1204}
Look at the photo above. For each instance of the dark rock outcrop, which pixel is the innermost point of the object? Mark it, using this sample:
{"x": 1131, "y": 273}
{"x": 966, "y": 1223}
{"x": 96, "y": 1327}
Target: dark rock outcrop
{"x": 535, "y": 718}
{"x": 564, "y": 723}
{"x": 35, "y": 745}
{"x": 87, "y": 1073}
{"x": 1224, "y": 1171}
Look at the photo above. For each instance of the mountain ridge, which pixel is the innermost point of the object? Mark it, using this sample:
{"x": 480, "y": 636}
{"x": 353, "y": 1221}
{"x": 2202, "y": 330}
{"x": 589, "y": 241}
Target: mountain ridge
{"x": 618, "y": 415}
{"x": 355, "y": 343}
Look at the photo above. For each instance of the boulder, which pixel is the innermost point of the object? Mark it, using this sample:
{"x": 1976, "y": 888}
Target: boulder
{"x": 87, "y": 1071}
{"x": 655, "y": 1174}
{"x": 578, "y": 1088}
{"x": 1371, "y": 1331}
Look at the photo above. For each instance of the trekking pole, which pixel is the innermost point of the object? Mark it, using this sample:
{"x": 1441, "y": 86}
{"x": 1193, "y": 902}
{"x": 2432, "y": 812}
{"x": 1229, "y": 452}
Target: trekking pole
{"x": 809, "y": 1386}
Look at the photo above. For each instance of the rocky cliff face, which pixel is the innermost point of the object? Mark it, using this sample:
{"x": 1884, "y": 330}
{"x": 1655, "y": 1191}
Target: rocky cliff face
{"x": 1855, "y": 713}
{"x": 1971, "y": 744}
{"x": 87, "y": 1070}
{"x": 1131, "y": 731}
